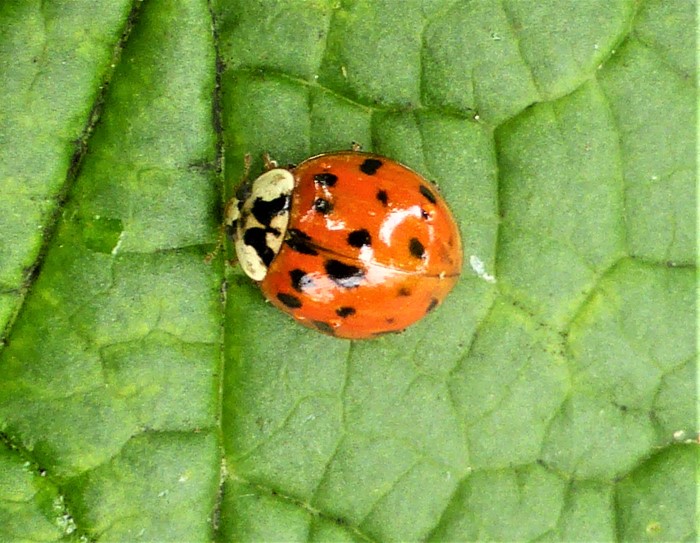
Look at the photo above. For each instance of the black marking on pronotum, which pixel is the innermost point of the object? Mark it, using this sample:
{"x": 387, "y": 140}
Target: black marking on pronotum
{"x": 403, "y": 291}
{"x": 325, "y": 179}
{"x": 425, "y": 191}
{"x": 383, "y": 197}
{"x": 323, "y": 206}
{"x": 255, "y": 237}
{"x": 345, "y": 311}
{"x": 289, "y": 300}
{"x": 359, "y": 238}
{"x": 324, "y": 327}
{"x": 370, "y": 166}
{"x": 416, "y": 248}
{"x": 424, "y": 214}
{"x": 300, "y": 242}
{"x": 300, "y": 280}
{"x": 432, "y": 305}
{"x": 343, "y": 274}
{"x": 265, "y": 210}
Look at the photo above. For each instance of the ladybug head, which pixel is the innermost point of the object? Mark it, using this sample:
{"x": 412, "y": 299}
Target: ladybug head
{"x": 257, "y": 224}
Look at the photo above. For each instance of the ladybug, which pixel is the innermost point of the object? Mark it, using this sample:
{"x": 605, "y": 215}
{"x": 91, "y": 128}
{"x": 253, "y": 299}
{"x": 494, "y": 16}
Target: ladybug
{"x": 349, "y": 243}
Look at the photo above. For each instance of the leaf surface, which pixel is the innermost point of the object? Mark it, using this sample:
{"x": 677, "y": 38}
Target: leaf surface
{"x": 148, "y": 395}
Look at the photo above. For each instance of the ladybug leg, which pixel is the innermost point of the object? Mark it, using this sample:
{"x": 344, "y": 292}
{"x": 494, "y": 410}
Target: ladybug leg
{"x": 227, "y": 227}
{"x": 269, "y": 163}
{"x": 356, "y": 146}
{"x": 211, "y": 255}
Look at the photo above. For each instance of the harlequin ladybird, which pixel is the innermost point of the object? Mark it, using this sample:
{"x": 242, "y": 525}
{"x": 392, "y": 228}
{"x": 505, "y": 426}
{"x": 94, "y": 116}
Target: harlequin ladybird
{"x": 349, "y": 243}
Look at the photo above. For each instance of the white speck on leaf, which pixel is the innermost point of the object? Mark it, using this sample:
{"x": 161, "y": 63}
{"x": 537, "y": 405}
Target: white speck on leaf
{"x": 480, "y": 269}
{"x": 115, "y": 249}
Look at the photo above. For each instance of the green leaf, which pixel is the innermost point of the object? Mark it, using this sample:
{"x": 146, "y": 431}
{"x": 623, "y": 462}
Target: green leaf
{"x": 148, "y": 395}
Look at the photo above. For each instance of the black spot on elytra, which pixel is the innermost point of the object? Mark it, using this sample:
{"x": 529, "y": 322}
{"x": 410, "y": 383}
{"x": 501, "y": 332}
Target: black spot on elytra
{"x": 323, "y": 206}
{"x": 325, "y": 179}
{"x": 390, "y": 320}
{"x": 432, "y": 305}
{"x": 359, "y": 238}
{"x": 345, "y": 311}
{"x": 300, "y": 280}
{"x": 265, "y": 210}
{"x": 289, "y": 300}
{"x": 344, "y": 275}
{"x": 425, "y": 191}
{"x": 403, "y": 291}
{"x": 255, "y": 237}
{"x": 324, "y": 327}
{"x": 370, "y": 166}
{"x": 383, "y": 197}
{"x": 300, "y": 242}
{"x": 416, "y": 248}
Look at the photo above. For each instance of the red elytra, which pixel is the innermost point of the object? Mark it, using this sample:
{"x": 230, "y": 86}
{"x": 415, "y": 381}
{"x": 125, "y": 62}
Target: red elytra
{"x": 370, "y": 247}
